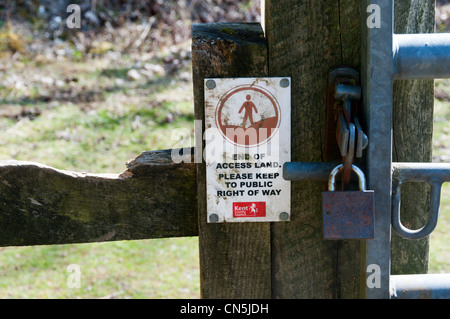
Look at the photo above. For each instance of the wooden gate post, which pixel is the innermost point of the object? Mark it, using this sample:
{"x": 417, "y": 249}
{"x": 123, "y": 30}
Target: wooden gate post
{"x": 234, "y": 258}
{"x": 306, "y": 39}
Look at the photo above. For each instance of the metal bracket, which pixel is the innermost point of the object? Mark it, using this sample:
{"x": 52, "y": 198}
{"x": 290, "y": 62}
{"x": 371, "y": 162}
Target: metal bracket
{"x": 337, "y": 76}
{"x": 343, "y": 127}
{"x": 361, "y": 138}
{"x": 433, "y": 173}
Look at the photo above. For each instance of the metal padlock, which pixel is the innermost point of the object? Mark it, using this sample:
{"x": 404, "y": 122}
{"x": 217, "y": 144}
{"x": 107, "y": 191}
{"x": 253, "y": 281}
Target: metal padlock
{"x": 348, "y": 214}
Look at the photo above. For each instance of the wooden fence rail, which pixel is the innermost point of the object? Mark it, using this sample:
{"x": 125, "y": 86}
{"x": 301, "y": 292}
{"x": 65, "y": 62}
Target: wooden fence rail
{"x": 42, "y": 205}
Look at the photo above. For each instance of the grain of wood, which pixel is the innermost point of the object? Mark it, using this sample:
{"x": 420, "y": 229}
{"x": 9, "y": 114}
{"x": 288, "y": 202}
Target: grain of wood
{"x": 42, "y": 205}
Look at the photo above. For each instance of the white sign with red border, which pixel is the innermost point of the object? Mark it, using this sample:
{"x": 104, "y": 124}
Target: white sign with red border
{"x": 247, "y": 141}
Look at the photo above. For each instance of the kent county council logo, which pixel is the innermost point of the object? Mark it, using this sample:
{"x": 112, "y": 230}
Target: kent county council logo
{"x": 249, "y": 209}
{"x": 248, "y": 116}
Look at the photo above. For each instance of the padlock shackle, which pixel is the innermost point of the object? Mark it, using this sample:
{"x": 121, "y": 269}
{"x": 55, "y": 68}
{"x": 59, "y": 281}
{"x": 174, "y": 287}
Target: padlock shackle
{"x": 338, "y": 169}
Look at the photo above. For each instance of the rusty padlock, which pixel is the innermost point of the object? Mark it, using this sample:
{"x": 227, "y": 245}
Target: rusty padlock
{"x": 348, "y": 214}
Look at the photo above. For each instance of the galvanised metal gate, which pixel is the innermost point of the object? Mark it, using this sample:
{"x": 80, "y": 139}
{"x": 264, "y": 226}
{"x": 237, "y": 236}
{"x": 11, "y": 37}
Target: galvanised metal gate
{"x": 387, "y": 57}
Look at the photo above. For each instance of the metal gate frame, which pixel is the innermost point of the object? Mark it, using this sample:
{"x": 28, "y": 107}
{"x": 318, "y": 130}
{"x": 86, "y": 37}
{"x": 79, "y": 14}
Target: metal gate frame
{"x": 386, "y": 57}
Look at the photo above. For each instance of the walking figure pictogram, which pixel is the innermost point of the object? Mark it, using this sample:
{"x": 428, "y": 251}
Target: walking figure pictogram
{"x": 248, "y": 106}
{"x": 253, "y": 209}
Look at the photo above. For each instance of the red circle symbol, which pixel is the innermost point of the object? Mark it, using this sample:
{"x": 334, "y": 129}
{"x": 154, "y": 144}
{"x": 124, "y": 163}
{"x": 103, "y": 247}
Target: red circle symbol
{"x": 248, "y": 116}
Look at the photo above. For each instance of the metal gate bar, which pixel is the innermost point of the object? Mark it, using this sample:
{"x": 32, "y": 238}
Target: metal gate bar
{"x": 430, "y": 286}
{"x": 422, "y": 56}
{"x": 307, "y": 171}
{"x": 387, "y": 56}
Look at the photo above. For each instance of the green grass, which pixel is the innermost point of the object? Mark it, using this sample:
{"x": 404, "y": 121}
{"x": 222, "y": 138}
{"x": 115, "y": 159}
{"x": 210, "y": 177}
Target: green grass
{"x": 94, "y": 130}
{"x": 163, "y": 268}
{"x": 440, "y": 238}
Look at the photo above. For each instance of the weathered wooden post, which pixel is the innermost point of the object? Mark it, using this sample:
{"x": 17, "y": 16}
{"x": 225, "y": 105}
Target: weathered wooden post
{"x": 302, "y": 40}
{"x": 234, "y": 258}
{"x": 306, "y": 40}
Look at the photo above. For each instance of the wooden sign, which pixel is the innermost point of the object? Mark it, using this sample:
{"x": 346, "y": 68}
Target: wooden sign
{"x": 247, "y": 141}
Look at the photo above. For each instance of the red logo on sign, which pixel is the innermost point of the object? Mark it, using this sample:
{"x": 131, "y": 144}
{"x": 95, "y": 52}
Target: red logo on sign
{"x": 249, "y": 209}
